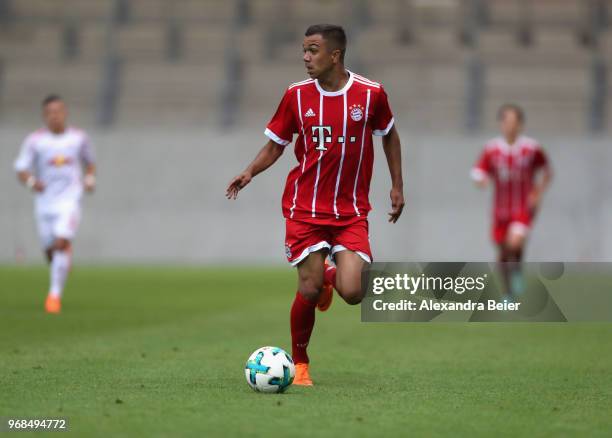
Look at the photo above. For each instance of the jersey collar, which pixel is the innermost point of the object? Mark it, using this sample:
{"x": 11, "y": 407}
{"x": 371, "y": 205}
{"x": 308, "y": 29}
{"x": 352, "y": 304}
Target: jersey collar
{"x": 510, "y": 149}
{"x": 339, "y": 92}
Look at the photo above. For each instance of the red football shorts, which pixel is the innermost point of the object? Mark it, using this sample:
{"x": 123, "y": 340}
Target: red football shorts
{"x": 501, "y": 227}
{"x": 303, "y": 238}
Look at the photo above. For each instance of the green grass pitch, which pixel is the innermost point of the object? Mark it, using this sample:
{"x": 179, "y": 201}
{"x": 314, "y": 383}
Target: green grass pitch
{"x": 161, "y": 352}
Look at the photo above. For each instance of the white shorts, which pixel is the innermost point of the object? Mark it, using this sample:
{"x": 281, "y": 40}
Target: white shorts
{"x": 58, "y": 223}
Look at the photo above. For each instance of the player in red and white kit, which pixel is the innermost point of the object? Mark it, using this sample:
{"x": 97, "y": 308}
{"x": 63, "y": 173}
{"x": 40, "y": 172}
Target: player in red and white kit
{"x": 325, "y": 203}
{"x": 519, "y": 169}
{"x": 50, "y": 163}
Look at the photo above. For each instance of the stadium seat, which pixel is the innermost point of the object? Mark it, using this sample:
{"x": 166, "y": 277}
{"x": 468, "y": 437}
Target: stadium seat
{"x": 263, "y": 88}
{"x": 605, "y": 44}
{"x": 503, "y": 12}
{"x": 264, "y": 12}
{"x": 437, "y": 13}
{"x": 537, "y": 81}
{"x": 251, "y": 43}
{"x": 385, "y": 13}
{"x": 143, "y": 10}
{"x": 553, "y": 46}
{"x": 206, "y": 12}
{"x": 265, "y": 84}
{"x": 209, "y": 12}
{"x": 543, "y": 116}
{"x": 60, "y": 10}
{"x": 544, "y": 92}
{"x": 559, "y": 13}
{"x": 566, "y": 13}
{"x": 142, "y": 41}
{"x": 93, "y": 42}
{"x": 381, "y": 45}
{"x": 182, "y": 93}
{"x": 307, "y": 12}
{"x": 29, "y": 41}
{"x": 557, "y": 41}
{"x": 208, "y": 43}
{"x": 27, "y": 83}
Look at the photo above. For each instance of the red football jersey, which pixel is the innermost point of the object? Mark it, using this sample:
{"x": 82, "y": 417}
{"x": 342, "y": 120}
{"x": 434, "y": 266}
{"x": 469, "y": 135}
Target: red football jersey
{"x": 334, "y": 148}
{"x": 512, "y": 168}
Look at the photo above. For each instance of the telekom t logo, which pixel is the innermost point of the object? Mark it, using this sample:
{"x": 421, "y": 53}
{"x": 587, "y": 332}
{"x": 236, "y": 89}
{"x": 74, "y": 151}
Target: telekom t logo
{"x": 322, "y": 135}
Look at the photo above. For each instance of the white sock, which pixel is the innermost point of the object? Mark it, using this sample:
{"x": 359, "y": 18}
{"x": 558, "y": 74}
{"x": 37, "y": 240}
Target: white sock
{"x": 60, "y": 265}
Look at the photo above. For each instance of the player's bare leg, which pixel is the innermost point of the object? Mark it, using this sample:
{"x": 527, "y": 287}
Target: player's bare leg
{"x": 502, "y": 261}
{"x": 60, "y": 266}
{"x": 327, "y": 291}
{"x": 310, "y": 275}
{"x": 348, "y": 276}
{"x": 310, "y": 282}
{"x": 511, "y": 255}
{"x": 515, "y": 244}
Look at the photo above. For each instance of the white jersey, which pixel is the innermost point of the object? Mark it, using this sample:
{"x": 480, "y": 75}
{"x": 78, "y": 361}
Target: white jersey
{"x": 56, "y": 160}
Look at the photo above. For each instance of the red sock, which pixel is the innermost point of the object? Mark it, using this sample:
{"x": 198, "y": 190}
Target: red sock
{"x": 302, "y": 322}
{"x": 330, "y": 276}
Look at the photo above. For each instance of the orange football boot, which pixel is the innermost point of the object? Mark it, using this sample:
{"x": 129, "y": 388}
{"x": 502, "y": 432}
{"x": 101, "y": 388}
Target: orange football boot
{"x": 53, "y": 304}
{"x": 327, "y": 294}
{"x": 302, "y": 377}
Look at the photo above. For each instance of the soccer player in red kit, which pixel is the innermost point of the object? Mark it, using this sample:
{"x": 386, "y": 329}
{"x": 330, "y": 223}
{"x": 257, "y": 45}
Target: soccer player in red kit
{"x": 325, "y": 203}
{"x": 520, "y": 172}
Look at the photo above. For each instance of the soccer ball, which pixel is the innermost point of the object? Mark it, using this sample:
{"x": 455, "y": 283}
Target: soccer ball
{"x": 269, "y": 369}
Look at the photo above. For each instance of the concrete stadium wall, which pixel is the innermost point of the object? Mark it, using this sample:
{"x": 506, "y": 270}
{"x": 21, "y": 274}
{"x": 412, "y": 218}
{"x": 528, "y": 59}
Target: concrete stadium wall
{"x": 160, "y": 199}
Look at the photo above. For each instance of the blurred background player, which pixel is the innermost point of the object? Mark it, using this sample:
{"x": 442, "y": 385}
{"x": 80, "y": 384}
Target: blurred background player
{"x": 50, "y": 164}
{"x": 325, "y": 202}
{"x": 521, "y": 174}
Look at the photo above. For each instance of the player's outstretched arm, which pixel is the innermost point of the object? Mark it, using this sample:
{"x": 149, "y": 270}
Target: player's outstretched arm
{"x": 535, "y": 197}
{"x": 482, "y": 183}
{"x": 89, "y": 181}
{"x": 480, "y": 178}
{"x": 480, "y": 171}
{"x": 266, "y": 157}
{"x": 393, "y": 151}
{"x": 30, "y": 181}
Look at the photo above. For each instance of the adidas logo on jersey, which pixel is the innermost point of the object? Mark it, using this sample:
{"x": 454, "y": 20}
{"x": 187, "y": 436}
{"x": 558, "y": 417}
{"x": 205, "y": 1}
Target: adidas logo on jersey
{"x": 309, "y": 113}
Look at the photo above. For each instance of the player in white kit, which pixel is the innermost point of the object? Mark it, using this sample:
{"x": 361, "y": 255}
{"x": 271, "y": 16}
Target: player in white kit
{"x": 50, "y": 163}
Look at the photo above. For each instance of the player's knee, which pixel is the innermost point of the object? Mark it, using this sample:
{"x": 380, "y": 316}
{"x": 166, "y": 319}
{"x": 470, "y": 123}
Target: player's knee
{"x": 352, "y": 295}
{"x": 515, "y": 255}
{"x": 61, "y": 245}
{"x": 348, "y": 286}
{"x": 309, "y": 294}
{"x": 353, "y": 299}
{"x": 516, "y": 238}
{"x": 310, "y": 287}
{"x": 515, "y": 244}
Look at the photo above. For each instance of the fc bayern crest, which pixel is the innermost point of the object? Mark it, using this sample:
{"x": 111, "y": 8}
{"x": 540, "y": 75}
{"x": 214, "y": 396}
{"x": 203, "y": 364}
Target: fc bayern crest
{"x": 356, "y": 112}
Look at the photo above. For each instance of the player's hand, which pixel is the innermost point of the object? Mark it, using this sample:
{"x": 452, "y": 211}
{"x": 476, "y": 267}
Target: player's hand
{"x": 397, "y": 205}
{"x": 38, "y": 187}
{"x": 533, "y": 199}
{"x": 89, "y": 183}
{"x": 482, "y": 183}
{"x": 237, "y": 184}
